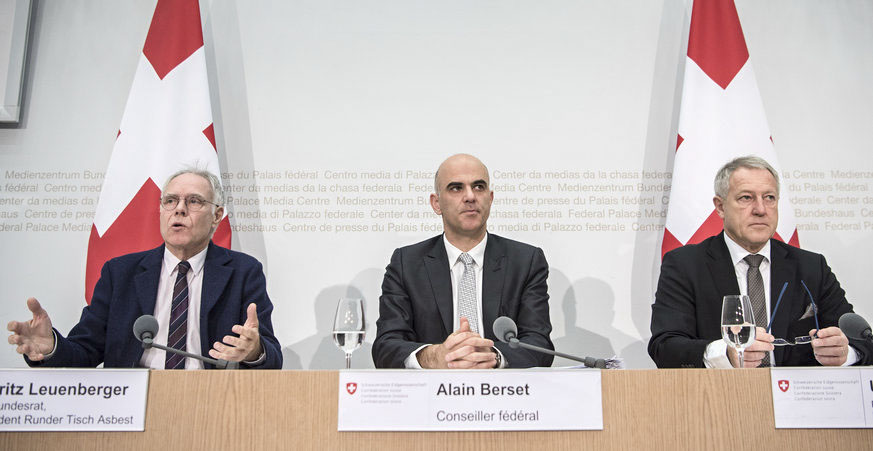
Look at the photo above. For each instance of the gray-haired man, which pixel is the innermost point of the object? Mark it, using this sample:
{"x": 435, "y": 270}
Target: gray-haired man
{"x": 745, "y": 259}
{"x": 207, "y": 299}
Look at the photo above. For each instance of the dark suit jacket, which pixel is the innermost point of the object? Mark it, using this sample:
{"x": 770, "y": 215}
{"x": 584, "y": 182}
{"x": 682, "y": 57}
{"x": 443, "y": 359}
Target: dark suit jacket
{"x": 416, "y": 306}
{"x": 128, "y": 288}
{"x": 686, "y": 315}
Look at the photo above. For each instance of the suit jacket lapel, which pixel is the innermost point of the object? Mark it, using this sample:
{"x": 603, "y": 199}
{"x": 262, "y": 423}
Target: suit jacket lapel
{"x": 782, "y": 269}
{"x": 493, "y": 275}
{"x": 146, "y": 282}
{"x": 437, "y": 263}
{"x": 721, "y": 268}
{"x": 216, "y": 274}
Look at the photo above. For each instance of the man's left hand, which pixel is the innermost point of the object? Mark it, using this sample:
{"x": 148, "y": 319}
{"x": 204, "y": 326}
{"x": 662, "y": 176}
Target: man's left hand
{"x": 244, "y": 348}
{"x": 470, "y": 352}
{"x": 831, "y": 348}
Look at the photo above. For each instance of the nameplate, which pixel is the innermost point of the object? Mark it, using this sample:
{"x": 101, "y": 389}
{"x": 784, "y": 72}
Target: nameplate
{"x": 73, "y": 399}
{"x": 822, "y": 397}
{"x": 477, "y": 400}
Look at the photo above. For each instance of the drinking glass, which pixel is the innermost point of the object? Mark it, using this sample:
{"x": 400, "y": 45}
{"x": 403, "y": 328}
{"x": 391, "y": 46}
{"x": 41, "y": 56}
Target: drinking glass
{"x": 737, "y": 323}
{"x": 349, "y": 326}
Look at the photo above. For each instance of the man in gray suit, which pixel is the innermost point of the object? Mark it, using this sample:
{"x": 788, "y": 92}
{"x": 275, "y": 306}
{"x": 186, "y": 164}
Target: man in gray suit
{"x": 441, "y": 296}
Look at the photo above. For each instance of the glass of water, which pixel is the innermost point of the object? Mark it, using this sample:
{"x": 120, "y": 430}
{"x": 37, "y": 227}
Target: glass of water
{"x": 349, "y": 326}
{"x": 737, "y": 323}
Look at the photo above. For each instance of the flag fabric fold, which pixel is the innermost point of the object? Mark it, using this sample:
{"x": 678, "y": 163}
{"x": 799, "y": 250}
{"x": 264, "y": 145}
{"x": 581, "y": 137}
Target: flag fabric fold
{"x": 721, "y": 117}
{"x": 166, "y": 126}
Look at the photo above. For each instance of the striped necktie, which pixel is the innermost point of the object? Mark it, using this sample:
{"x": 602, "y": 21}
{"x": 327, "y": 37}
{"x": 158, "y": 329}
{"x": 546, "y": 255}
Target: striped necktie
{"x": 178, "y": 318}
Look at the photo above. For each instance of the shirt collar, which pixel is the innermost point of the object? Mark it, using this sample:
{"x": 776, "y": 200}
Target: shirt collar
{"x": 196, "y": 262}
{"x": 478, "y": 252}
{"x": 738, "y": 253}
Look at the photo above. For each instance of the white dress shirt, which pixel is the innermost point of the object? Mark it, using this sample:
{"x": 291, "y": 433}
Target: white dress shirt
{"x": 156, "y": 358}
{"x": 456, "y": 269}
{"x": 716, "y": 352}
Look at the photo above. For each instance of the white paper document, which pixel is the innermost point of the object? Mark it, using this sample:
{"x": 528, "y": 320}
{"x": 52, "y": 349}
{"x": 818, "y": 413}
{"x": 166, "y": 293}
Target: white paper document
{"x": 505, "y": 400}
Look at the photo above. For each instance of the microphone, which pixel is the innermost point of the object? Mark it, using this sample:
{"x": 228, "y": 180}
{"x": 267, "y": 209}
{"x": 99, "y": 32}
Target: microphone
{"x": 146, "y": 327}
{"x": 506, "y": 331}
{"x": 855, "y": 326}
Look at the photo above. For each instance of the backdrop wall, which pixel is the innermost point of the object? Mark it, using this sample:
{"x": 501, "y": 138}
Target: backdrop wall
{"x": 332, "y": 116}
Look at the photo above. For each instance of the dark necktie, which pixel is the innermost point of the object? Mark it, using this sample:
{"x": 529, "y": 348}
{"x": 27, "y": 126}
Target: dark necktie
{"x": 178, "y": 319}
{"x": 756, "y": 295}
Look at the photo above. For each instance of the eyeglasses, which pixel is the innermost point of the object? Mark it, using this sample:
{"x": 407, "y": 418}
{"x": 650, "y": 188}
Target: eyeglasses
{"x": 192, "y": 202}
{"x": 804, "y": 340}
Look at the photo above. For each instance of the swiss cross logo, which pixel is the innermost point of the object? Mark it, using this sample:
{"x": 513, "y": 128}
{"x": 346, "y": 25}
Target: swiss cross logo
{"x": 783, "y": 385}
{"x": 351, "y": 387}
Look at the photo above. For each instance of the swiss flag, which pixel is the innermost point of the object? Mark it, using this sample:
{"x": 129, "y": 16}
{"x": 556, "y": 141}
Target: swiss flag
{"x": 721, "y": 117}
{"x": 167, "y": 125}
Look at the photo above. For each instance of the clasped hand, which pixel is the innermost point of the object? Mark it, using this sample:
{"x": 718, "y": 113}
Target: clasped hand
{"x": 463, "y": 349}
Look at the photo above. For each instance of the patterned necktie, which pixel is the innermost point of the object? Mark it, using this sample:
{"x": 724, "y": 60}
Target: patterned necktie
{"x": 178, "y": 319}
{"x": 756, "y": 295}
{"x": 467, "y": 305}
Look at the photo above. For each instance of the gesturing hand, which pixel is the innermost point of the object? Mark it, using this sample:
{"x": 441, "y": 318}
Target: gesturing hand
{"x": 33, "y": 338}
{"x": 246, "y": 347}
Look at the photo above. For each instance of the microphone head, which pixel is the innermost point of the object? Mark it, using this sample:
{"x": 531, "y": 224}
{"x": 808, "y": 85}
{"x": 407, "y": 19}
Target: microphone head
{"x": 505, "y": 329}
{"x": 854, "y": 326}
{"x": 145, "y": 326}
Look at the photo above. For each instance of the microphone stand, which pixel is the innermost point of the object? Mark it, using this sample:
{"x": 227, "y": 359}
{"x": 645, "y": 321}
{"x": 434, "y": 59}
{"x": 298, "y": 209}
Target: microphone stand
{"x": 589, "y": 362}
{"x": 222, "y": 364}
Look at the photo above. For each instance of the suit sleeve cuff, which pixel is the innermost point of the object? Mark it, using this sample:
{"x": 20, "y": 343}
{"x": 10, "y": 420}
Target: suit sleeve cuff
{"x": 502, "y": 358}
{"x": 55, "y": 347}
{"x": 715, "y": 355}
{"x": 260, "y": 360}
{"x": 411, "y": 362}
{"x": 852, "y": 357}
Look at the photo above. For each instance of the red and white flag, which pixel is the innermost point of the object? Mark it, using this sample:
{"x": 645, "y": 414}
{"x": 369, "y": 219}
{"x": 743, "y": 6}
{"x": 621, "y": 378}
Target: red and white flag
{"x": 167, "y": 125}
{"x": 721, "y": 117}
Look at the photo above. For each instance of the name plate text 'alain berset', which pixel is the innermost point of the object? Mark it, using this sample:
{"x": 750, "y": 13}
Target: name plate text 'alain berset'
{"x": 505, "y": 400}
{"x": 822, "y": 397}
{"x": 73, "y": 399}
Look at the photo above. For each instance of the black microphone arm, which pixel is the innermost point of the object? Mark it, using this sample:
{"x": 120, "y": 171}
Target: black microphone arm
{"x": 146, "y": 327}
{"x": 506, "y": 331}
